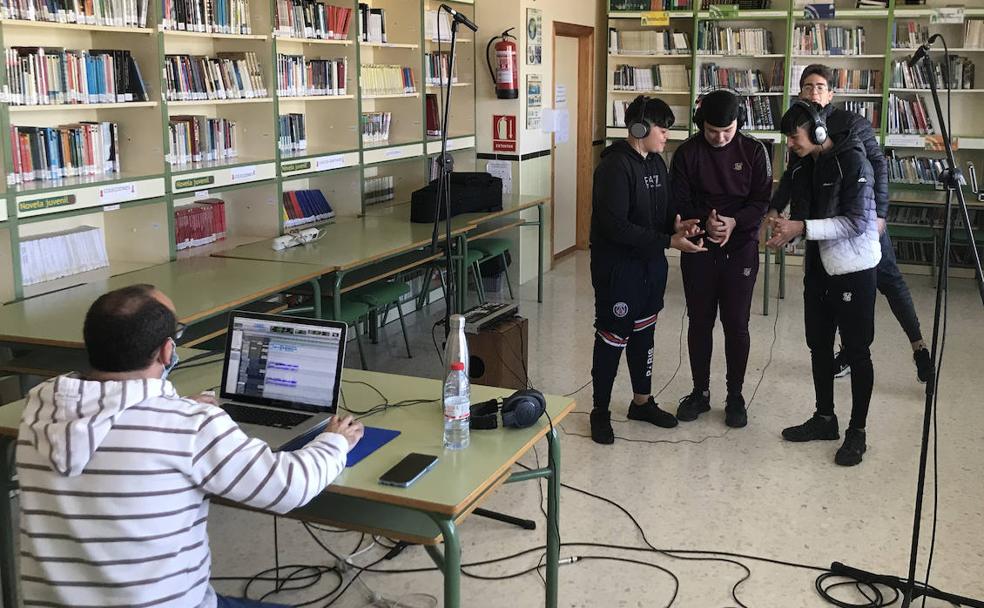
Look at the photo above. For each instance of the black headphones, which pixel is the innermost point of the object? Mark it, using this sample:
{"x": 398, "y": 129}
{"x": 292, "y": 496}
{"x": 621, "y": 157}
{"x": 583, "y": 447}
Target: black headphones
{"x": 741, "y": 115}
{"x": 520, "y": 410}
{"x": 818, "y": 134}
{"x": 641, "y": 128}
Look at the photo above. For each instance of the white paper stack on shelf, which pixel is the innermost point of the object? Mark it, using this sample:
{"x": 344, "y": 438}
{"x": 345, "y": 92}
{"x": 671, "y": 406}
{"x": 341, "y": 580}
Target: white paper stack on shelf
{"x": 437, "y": 21}
{"x": 46, "y": 257}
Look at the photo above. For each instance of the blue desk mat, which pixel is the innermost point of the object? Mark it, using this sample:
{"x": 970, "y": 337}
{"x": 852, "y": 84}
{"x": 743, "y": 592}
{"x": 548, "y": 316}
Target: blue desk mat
{"x": 373, "y": 439}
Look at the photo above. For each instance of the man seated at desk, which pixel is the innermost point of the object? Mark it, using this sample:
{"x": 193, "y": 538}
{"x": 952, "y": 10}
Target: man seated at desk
{"x": 116, "y": 469}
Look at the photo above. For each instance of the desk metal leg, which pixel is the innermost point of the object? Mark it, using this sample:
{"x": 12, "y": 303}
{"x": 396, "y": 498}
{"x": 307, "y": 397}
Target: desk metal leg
{"x": 336, "y": 296}
{"x": 8, "y": 557}
{"x": 316, "y": 290}
{"x": 553, "y": 518}
{"x": 539, "y": 253}
{"x": 461, "y": 276}
{"x": 765, "y": 281}
{"x": 449, "y": 561}
{"x": 782, "y": 274}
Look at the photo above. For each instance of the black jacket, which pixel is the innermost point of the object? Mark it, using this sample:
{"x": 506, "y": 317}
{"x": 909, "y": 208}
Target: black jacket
{"x": 630, "y": 205}
{"x": 833, "y": 194}
{"x": 842, "y": 124}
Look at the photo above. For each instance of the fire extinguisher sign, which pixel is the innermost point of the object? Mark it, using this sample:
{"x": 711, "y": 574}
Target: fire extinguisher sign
{"x": 503, "y": 133}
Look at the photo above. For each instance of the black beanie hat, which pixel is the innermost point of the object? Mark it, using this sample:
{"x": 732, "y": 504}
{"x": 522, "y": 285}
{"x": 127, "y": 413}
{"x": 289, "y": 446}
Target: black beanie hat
{"x": 719, "y": 108}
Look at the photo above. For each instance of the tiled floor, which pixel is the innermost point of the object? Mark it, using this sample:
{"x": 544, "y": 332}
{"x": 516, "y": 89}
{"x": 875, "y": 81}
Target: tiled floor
{"x": 740, "y": 491}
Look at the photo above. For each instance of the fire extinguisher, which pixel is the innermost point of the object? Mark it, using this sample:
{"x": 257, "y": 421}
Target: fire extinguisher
{"x": 505, "y": 74}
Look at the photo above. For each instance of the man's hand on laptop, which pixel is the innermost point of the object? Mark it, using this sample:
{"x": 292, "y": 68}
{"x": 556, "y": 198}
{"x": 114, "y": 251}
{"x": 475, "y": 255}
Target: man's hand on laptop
{"x": 206, "y": 397}
{"x": 348, "y": 427}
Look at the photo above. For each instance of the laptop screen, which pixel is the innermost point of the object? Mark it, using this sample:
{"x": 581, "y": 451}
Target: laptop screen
{"x": 272, "y": 359}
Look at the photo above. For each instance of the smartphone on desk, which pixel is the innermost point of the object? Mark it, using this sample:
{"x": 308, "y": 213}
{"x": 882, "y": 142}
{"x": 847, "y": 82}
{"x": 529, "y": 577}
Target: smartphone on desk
{"x": 410, "y": 469}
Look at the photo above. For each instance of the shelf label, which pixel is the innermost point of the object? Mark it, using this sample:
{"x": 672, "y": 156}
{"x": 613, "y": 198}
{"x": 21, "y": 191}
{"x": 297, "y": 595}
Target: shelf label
{"x": 194, "y": 182}
{"x": 201, "y": 194}
{"x": 294, "y": 167}
{"x": 327, "y": 163}
{"x": 947, "y": 14}
{"x": 906, "y": 141}
{"x": 397, "y": 153}
{"x": 111, "y": 207}
{"x": 655, "y": 19}
{"x": 50, "y": 202}
{"x": 116, "y": 193}
{"x": 241, "y": 173}
{"x": 724, "y": 11}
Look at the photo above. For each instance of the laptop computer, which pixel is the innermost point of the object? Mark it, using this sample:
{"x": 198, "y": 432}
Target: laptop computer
{"x": 281, "y": 375}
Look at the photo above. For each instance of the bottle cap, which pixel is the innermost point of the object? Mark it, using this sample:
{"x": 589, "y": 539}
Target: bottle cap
{"x": 457, "y": 321}
{"x": 458, "y": 366}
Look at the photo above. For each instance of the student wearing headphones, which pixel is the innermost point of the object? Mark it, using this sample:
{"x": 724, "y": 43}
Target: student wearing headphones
{"x": 816, "y": 85}
{"x": 832, "y": 199}
{"x": 722, "y": 178}
{"x": 632, "y": 224}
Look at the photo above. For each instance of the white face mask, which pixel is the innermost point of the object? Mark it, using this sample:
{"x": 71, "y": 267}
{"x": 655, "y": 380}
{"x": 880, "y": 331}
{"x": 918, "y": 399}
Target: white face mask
{"x": 173, "y": 362}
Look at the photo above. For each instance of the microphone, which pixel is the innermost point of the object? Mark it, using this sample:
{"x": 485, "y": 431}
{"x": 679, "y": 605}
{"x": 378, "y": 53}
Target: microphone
{"x": 458, "y": 17}
{"x": 921, "y": 53}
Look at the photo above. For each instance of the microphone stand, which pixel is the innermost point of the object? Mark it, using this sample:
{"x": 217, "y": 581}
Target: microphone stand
{"x": 951, "y": 179}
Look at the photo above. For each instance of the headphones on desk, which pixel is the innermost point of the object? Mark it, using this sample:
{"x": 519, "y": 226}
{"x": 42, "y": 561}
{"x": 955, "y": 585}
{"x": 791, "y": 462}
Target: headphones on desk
{"x": 741, "y": 114}
{"x": 818, "y": 134}
{"x": 520, "y": 410}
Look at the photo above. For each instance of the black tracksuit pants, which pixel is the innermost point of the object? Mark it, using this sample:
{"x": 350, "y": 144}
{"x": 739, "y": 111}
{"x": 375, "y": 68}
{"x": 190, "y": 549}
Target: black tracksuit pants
{"x": 720, "y": 281}
{"x": 848, "y": 302}
{"x": 893, "y": 286}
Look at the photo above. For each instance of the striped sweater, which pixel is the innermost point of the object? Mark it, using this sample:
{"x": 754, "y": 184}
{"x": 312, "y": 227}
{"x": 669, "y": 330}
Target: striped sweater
{"x": 115, "y": 483}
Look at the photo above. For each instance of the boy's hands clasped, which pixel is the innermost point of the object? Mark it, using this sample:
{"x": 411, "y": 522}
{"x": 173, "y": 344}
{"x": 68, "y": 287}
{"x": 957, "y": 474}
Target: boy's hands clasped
{"x": 684, "y": 230}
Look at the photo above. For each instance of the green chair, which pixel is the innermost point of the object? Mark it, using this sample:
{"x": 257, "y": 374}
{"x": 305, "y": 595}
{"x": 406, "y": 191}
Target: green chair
{"x": 472, "y": 261}
{"x": 494, "y": 248}
{"x": 381, "y": 296}
{"x": 353, "y": 312}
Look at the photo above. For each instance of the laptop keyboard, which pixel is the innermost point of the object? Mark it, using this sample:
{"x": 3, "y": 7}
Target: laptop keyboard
{"x": 264, "y": 417}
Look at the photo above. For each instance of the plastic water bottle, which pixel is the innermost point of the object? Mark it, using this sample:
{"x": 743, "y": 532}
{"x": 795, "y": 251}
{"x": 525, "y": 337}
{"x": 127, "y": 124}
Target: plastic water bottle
{"x": 457, "y": 408}
{"x": 457, "y": 347}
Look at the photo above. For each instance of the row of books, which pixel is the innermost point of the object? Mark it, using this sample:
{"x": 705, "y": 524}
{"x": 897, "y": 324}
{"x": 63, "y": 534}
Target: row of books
{"x": 909, "y": 34}
{"x": 119, "y": 13}
{"x": 437, "y": 26}
{"x": 215, "y": 16}
{"x": 682, "y": 114}
{"x": 760, "y": 112}
{"x": 387, "y": 80}
{"x": 919, "y": 252}
{"x": 199, "y": 223}
{"x": 54, "y": 153}
{"x": 866, "y": 109}
{"x": 908, "y": 116}
{"x": 311, "y": 19}
{"x": 912, "y": 170}
{"x": 47, "y": 76}
{"x": 716, "y": 39}
{"x": 744, "y": 80}
{"x": 299, "y": 76}
{"x": 46, "y": 257}
{"x": 196, "y": 139}
{"x": 306, "y": 206}
{"x": 227, "y": 76}
{"x": 848, "y": 80}
{"x": 436, "y": 68}
{"x": 742, "y": 4}
{"x": 650, "y": 5}
{"x": 376, "y": 127}
{"x": 825, "y": 39}
{"x": 432, "y": 114}
{"x": 961, "y": 73}
{"x": 372, "y": 24}
{"x": 378, "y": 189}
{"x": 293, "y": 133}
{"x": 974, "y": 34}
{"x": 648, "y": 42}
{"x": 666, "y": 77}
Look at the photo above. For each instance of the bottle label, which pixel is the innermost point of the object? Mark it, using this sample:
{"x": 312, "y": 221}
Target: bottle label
{"x": 457, "y": 408}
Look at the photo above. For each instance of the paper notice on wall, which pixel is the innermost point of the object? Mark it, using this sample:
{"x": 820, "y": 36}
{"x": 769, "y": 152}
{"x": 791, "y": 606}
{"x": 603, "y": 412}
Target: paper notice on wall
{"x": 503, "y": 170}
{"x": 560, "y": 97}
{"x": 547, "y": 124}
{"x": 562, "y": 126}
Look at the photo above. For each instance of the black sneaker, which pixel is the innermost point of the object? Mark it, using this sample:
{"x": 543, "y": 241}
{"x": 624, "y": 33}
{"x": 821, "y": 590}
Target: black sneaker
{"x": 841, "y": 368}
{"x": 650, "y": 412}
{"x": 693, "y": 405}
{"x": 924, "y": 365}
{"x": 601, "y": 427}
{"x": 735, "y": 414}
{"x": 816, "y": 428}
{"x": 853, "y": 449}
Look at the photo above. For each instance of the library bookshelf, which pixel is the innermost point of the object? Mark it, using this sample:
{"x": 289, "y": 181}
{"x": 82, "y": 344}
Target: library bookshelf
{"x": 915, "y": 219}
{"x": 136, "y": 206}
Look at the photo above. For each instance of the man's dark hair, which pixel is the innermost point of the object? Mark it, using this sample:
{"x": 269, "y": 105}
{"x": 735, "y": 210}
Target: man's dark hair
{"x": 719, "y": 108}
{"x": 652, "y": 109}
{"x": 820, "y": 70}
{"x": 797, "y": 116}
{"x": 124, "y": 328}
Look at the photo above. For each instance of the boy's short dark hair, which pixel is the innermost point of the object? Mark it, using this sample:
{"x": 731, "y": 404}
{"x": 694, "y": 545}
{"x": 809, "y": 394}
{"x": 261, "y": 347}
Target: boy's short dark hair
{"x": 652, "y": 109}
{"x": 124, "y": 328}
{"x": 719, "y": 108}
{"x": 797, "y": 116}
{"x": 820, "y": 70}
